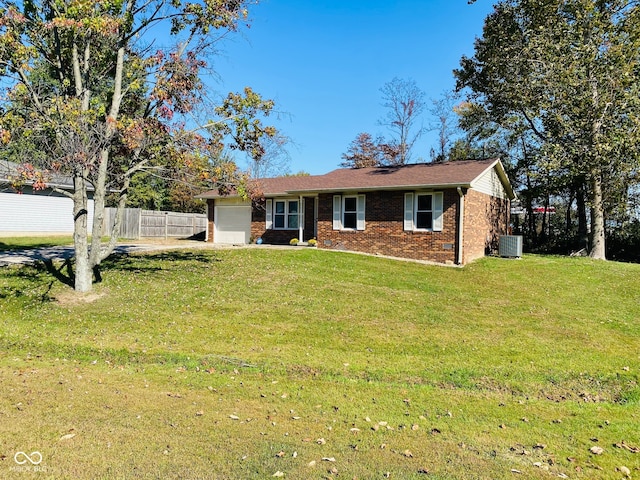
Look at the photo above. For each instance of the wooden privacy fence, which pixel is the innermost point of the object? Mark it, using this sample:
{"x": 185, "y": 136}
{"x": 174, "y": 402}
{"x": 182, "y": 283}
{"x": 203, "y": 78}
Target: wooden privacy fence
{"x": 138, "y": 223}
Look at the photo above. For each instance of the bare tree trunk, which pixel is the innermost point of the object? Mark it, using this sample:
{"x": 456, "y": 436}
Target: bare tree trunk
{"x": 95, "y": 256}
{"x": 583, "y": 233}
{"x": 83, "y": 271}
{"x": 597, "y": 220}
{"x": 567, "y": 214}
{"x": 97, "y": 252}
{"x": 114, "y": 232}
{"x": 530, "y": 215}
{"x": 543, "y": 229}
{"x": 597, "y": 202}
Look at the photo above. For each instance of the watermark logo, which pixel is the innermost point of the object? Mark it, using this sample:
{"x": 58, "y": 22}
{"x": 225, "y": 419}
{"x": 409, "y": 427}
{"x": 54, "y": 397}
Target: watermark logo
{"x": 21, "y": 458}
{"x": 27, "y": 462}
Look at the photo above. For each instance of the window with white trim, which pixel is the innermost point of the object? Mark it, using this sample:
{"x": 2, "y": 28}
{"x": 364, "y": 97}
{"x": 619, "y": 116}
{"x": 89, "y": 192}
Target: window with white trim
{"x": 423, "y": 211}
{"x": 348, "y": 212}
{"x": 283, "y": 214}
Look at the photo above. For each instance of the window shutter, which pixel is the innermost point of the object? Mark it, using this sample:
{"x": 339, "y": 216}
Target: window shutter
{"x": 408, "y": 211}
{"x": 437, "y": 212}
{"x": 269, "y": 208}
{"x": 360, "y": 221}
{"x": 337, "y": 212}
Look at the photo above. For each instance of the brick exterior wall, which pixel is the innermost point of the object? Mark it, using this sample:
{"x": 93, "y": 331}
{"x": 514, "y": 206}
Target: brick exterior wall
{"x": 281, "y": 237}
{"x": 259, "y": 227}
{"x": 210, "y": 205}
{"x": 384, "y": 234}
{"x": 485, "y": 219}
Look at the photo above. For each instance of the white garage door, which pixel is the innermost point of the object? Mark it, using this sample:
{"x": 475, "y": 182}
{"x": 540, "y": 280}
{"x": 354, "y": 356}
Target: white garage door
{"x": 232, "y": 224}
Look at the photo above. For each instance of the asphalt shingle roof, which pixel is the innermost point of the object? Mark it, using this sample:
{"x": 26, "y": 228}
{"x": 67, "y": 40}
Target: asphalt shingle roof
{"x": 425, "y": 175}
{"x": 10, "y": 169}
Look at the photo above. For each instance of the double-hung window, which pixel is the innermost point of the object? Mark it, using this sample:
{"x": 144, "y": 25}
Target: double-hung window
{"x": 283, "y": 214}
{"x": 348, "y": 212}
{"x": 423, "y": 211}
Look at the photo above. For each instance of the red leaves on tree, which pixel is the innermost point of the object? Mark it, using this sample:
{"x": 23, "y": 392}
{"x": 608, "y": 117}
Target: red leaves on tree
{"x": 27, "y": 173}
{"x": 178, "y": 83}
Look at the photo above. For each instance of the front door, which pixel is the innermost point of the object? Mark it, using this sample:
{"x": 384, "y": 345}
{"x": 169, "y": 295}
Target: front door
{"x": 310, "y": 218}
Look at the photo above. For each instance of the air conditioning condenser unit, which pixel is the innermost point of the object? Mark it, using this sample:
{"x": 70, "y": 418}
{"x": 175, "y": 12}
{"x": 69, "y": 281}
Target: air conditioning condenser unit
{"x": 510, "y": 246}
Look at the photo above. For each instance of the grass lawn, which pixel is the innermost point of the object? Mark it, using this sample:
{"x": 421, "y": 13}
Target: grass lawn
{"x": 304, "y": 364}
{"x": 18, "y": 243}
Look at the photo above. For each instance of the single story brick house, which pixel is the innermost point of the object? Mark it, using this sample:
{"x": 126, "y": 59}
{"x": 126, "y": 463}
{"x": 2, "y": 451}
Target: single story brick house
{"x": 452, "y": 212}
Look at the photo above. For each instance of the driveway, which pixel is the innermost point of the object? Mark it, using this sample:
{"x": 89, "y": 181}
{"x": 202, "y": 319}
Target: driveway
{"x": 32, "y": 255}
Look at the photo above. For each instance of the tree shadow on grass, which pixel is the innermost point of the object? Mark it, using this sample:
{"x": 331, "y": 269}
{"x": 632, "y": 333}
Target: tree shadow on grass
{"x": 155, "y": 262}
{"x": 24, "y": 280}
{"x": 10, "y": 247}
{"x": 63, "y": 274}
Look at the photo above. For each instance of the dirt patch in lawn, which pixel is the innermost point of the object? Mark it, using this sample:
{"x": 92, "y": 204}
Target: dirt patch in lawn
{"x": 70, "y": 298}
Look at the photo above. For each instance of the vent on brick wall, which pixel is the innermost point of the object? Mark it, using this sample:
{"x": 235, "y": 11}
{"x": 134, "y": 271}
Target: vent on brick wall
{"x": 510, "y": 246}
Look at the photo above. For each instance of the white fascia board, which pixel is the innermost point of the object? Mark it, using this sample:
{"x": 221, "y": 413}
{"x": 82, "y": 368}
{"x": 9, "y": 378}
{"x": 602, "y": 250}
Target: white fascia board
{"x": 422, "y": 186}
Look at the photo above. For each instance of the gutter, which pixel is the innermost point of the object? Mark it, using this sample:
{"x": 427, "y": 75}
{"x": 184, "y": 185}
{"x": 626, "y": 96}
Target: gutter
{"x": 343, "y": 188}
{"x": 460, "y": 226}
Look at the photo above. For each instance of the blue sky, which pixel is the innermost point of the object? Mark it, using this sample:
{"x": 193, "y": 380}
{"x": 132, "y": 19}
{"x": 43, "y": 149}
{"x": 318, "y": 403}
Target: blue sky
{"x": 324, "y": 62}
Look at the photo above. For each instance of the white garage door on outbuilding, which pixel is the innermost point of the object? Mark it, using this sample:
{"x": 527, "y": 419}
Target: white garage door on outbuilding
{"x": 232, "y": 221}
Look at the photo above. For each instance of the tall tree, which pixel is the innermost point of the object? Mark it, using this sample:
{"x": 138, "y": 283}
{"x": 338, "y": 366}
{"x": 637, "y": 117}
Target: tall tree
{"x": 276, "y": 159}
{"x": 536, "y": 179}
{"x": 444, "y": 123}
{"x": 405, "y": 103}
{"x": 571, "y": 70}
{"x": 86, "y": 87}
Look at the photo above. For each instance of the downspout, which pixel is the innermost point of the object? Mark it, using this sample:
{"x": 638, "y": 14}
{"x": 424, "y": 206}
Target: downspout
{"x": 460, "y": 226}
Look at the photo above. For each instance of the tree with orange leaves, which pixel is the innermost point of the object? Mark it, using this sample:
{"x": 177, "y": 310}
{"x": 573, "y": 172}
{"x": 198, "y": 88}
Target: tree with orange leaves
{"x": 90, "y": 97}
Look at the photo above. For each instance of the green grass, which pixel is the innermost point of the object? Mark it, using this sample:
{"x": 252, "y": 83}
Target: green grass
{"x": 237, "y": 364}
{"x": 19, "y": 243}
